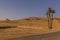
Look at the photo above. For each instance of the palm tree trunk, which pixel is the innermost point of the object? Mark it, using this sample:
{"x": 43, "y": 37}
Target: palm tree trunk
{"x": 50, "y": 22}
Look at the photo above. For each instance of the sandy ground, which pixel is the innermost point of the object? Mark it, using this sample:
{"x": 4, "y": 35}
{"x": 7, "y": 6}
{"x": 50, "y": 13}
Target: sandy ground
{"x": 26, "y": 30}
{"x": 48, "y": 36}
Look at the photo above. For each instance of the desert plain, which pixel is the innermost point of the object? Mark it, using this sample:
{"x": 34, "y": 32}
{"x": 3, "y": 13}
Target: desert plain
{"x": 27, "y": 27}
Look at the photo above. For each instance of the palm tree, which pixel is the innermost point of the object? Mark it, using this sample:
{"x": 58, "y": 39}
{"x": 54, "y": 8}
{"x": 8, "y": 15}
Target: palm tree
{"x": 49, "y": 17}
{"x": 49, "y": 14}
{"x": 53, "y": 11}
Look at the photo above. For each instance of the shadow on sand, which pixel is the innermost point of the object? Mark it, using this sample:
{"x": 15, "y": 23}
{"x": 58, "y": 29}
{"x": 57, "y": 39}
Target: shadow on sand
{"x": 5, "y": 27}
{"x": 48, "y": 36}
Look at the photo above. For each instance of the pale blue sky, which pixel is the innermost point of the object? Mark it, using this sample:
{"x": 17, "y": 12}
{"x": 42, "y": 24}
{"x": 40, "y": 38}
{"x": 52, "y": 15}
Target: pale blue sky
{"x": 17, "y": 9}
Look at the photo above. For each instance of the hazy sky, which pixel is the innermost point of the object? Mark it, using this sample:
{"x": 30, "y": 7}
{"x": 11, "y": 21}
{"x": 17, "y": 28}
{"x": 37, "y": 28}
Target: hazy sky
{"x": 17, "y": 9}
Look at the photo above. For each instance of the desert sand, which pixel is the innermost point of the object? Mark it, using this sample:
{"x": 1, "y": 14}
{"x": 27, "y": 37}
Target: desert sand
{"x": 28, "y": 27}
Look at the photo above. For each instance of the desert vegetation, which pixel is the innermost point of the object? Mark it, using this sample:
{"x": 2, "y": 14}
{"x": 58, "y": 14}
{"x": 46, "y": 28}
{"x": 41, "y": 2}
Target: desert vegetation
{"x": 49, "y": 14}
